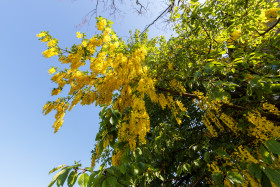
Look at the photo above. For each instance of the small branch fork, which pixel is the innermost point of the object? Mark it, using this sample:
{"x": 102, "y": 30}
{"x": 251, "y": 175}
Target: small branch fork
{"x": 141, "y": 6}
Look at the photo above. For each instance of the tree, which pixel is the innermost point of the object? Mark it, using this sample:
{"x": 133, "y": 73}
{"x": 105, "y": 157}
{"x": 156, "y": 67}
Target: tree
{"x": 199, "y": 109}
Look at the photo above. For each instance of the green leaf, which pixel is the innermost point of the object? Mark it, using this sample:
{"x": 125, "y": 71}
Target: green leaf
{"x": 63, "y": 176}
{"x": 51, "y": 183}
{"x": 72, "y": 178}
{"x": 83, "y": 180}
{"x": 115, "y": 171}
{"x": 135, "y": 171}
{"x": 92, "y": 177}
{"x": 221, "y": 153}
{"x": 55, "y": 178}
{"x": 207, "y": 156}
{"x": 235, "y": 177}
{"x": 186, "y": 168}
{"x": 112, "y": 181}
{"x": 105, "y": 183}
{"x": 273, "y": 175}
{"x": 265, "y": 182}
{"x": 123, "y": 169}
{"x": 112, "y": 121}
{"x": 116, "y": 113}
{"x": 273, "y": 146}
{"x": 57, "y": 168}
{"x": 255, "y": 171}
{"x": 265, "y": 155}
{"x": 158, "y": 175}
{"x": 217, "y": 177}
{"x": 97, "y": 181}
{"x": 141, "y": 166}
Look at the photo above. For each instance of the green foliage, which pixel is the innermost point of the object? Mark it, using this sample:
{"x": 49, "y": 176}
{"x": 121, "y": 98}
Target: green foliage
{"x": 273, "y": 146}
{"x": 273, "y": 175}
{"x": 83, "y": 180}
{"x": 234, "y": 177}
{"x": 223, "y": 53}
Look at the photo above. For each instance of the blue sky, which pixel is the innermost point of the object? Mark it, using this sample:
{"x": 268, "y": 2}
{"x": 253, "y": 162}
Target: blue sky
{"x": 28, "y": 146}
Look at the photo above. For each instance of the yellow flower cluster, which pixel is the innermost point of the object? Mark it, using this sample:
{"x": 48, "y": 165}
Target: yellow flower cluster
{"x": 116, "y": 158}
{"x": 271, "y": 14}
{"x": 271, "y": 108}
{"x": 111, "y": 71}
{"x": 213, "y": 113}
{"x": 227, "y": 183}
{"x": 101, "y": 24}
{"x": 97, "y": 150}
{"x": 41, "y": 34}
{"x": 79, "y": 35}
{"x": 44, "y": 37}
{"x": 52, "y": 43}
{"x": 50, "y": 52}
{"x": 235, "y": 34}
{"x": 56, "y": 91}
{"x": 245, "y": 155}
{"x": 60, "y": 106}
{"x": 230, "y": 122}
{"x": 214, "y": 119}
{"x": 92, "y": 161}
{"x": 170, "y": 66}
{"x": 263, "y": 129}
{"x": 51, "y": 71}
{"x": 214, "y": 167}
{"x": 209, "y": 126}
{"x": 250, "y": 180}
{"x": 176, "y": 85}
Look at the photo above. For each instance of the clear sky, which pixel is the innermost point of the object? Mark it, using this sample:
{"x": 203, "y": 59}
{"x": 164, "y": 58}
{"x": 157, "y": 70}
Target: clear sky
{"x": 28, "y": 146}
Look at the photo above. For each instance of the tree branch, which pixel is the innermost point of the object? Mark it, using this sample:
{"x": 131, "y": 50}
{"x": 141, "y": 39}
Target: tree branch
{"x": 165, "y": 11}
{"x": 270, "y": 27}
{"x": 197, "y": 181}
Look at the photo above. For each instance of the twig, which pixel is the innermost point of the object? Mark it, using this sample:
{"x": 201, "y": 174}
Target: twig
{"x": 197, "y": 181}
{"x": 168, "y": 8}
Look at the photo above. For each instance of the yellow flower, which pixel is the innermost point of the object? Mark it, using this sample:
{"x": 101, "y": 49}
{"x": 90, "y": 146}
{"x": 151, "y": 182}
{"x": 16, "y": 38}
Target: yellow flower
{"x": 235, "y": 34}
{"x": 93, "y": 161}
{"x": 79, "y": 35}
{"x": 84, "y": 43}
{"x": 271, "y": 14}
{"x": 51, "y": 43}
{"x": 50, "y": 52}
{"x": 101, "y": 24}
{"x": 114, "y": 37}
{"x": 108, "y": 30}
{"x": 106, "y": 38}
{"x": 45, "y": 39}
{"x": 51, "y": 71}
{"x": 170, "y": 66}
{"x": 56, "y": 91}
{"x": 42, "y": 34}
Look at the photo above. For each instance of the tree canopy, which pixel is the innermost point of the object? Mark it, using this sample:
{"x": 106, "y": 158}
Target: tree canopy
{"x": 198, "y": 109}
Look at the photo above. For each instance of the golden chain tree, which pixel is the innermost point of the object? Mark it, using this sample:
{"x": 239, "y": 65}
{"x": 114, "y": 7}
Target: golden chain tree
{"x": 205, "y": 103}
